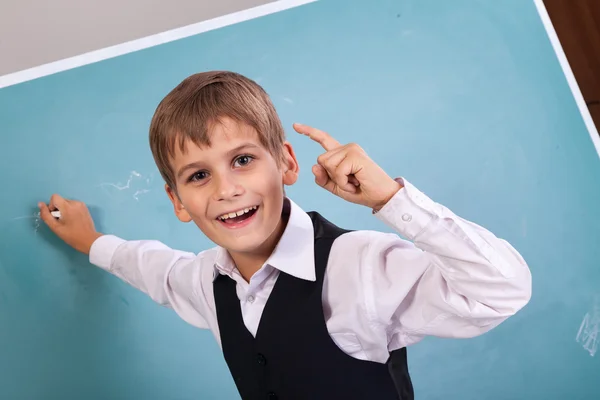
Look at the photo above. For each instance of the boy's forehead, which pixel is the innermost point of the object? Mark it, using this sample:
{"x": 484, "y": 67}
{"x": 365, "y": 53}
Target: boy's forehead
{"x": 228, "y": 130}
{"x": 222, "y": 137}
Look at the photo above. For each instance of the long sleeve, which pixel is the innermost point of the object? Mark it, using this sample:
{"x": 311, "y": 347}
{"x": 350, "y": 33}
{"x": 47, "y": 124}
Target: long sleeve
{"x": 452, "y": 278}
{"x": 170, "y": 277}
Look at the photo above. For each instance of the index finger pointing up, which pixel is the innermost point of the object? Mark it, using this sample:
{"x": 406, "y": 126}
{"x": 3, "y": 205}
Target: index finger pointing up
{"x": 318, "y": 136}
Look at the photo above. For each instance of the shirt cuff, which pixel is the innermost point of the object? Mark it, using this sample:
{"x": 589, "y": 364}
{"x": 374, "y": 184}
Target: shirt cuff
{"x": 103, "y": 249}
{"x": 409, "y": 211}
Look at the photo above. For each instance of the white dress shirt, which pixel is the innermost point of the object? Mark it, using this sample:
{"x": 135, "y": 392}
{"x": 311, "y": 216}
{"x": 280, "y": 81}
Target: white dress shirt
{"x": 380, "y": 292}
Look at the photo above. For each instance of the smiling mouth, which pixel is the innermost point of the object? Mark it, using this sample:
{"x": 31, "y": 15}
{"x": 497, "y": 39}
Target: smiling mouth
{"x": 236, "y": 217}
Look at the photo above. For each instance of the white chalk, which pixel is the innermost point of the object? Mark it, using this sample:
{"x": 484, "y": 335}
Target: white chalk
{"x": 55, "y": 214}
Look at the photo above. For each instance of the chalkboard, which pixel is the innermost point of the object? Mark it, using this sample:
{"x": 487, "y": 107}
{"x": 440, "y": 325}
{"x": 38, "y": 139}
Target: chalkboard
{"x": 464, "y": 98}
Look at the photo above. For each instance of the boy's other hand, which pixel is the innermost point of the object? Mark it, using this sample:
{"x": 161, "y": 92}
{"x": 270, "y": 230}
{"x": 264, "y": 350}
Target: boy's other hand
{"x": 348, "y": 172}
{"x": 75, "y": 225}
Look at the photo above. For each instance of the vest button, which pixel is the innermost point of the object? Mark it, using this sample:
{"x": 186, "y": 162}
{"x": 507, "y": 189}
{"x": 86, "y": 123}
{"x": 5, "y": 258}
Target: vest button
{"x": 261, "y": 359}
{"x": 271, "y": 396}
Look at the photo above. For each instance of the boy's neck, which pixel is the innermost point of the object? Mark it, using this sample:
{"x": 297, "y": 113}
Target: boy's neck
{"x": 249, "y": 263}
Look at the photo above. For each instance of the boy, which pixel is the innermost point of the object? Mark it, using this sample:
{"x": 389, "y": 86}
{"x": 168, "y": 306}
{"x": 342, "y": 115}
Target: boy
{"x": 301, "y": 308}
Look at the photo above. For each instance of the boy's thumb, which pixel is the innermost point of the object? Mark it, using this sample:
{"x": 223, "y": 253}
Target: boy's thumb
{"x": 47, "y": 217}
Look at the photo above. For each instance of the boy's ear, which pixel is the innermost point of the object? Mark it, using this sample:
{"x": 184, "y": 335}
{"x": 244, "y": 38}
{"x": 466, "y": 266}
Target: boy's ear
{"x": 180, "y": 210}
{"x": 291, "y": 168}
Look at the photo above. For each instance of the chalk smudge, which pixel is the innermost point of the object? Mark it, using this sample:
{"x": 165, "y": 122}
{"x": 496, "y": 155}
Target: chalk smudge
{"x": 36, "y": 220}
{"x": 119, "y": 186}
{"x": 134, "y": 181}
{"x": 589, "y": 331}
{"x": 137, "y": 194}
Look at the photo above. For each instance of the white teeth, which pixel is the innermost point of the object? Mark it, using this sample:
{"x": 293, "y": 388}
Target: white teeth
{"x": 236, "y": 213}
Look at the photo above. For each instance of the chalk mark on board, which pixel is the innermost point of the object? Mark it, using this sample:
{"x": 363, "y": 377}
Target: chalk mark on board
{"x": 26, "y": 216}
{"x": 589, "y": 331}
{"x": 36, "y": 220}
{"x": 132, "y": 180}
{"x": 119, "y": 185}
{"x": 137, "y": 194}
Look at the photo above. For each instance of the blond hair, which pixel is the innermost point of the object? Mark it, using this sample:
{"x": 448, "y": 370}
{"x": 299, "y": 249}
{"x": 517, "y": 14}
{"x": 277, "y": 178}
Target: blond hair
{"x": 198, "y": 102}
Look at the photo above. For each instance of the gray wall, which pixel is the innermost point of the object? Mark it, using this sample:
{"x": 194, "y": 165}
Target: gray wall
{"x": 35, "y": 32}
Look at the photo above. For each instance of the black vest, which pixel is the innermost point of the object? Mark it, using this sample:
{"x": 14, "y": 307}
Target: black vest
{"x": 293, "y": 355}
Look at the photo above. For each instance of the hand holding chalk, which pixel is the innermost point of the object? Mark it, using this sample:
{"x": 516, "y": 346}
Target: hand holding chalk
{"x": 71, "y": 221}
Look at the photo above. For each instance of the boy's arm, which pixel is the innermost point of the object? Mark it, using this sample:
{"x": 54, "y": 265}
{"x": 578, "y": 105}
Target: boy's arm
{"x": 168, "y": 276}
{"x": 456, "y": 280}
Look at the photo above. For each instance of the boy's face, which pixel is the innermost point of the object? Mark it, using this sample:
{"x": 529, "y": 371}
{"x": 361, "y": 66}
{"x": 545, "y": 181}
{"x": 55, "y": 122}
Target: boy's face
{"x": 233, "y": 190}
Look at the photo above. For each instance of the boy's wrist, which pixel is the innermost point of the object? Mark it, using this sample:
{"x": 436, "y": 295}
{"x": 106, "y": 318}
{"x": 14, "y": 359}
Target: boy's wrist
{"x": 394, "y": 188}
{"x": 86, "y": 244}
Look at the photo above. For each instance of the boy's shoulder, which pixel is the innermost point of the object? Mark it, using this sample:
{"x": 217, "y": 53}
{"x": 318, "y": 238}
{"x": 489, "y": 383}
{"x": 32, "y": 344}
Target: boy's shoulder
{"x": 359, "y": 241}
{"x": 208, "y": 258}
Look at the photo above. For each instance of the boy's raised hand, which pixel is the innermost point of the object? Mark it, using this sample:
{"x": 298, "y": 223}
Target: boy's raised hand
{"x": 348, "y": 172}
{"x": 75, "y": 225}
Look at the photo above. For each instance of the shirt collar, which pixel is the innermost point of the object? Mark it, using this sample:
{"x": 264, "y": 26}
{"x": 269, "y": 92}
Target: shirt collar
{"x": 294, "y": 254}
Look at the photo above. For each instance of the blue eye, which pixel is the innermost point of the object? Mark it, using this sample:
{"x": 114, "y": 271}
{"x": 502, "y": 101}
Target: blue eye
{"x": 242, "y": 161}
{"x": 198, "y": 176}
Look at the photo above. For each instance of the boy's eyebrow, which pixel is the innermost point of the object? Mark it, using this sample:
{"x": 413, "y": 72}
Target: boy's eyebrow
{"x": 241, "y": 147}
{"x": 198, "y": 164}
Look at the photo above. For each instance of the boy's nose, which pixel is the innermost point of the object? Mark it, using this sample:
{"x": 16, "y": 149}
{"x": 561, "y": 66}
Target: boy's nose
{"x": 227, "y": 189}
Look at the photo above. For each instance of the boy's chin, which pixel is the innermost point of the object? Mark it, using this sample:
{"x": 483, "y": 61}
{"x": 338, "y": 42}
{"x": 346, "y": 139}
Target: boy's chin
{"x": 247, "y": 245}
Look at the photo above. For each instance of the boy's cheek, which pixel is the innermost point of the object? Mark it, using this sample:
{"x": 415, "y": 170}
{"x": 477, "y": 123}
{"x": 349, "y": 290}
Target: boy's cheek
{"x": 205, "y": 228}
